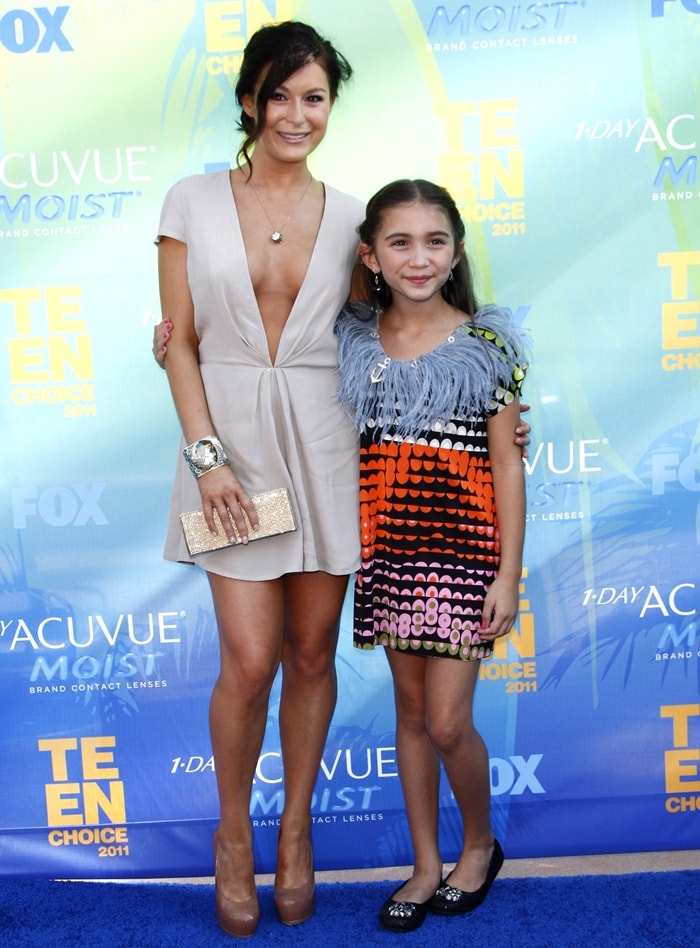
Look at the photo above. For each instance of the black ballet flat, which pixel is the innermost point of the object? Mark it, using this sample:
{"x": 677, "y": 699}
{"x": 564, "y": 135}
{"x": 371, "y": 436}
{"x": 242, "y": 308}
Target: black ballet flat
{"x": 403, "y": 916}
{"x": 449, "y": 900}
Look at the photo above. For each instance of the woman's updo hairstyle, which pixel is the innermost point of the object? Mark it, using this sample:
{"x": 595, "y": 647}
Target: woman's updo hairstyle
{"x": 272, "y": 55}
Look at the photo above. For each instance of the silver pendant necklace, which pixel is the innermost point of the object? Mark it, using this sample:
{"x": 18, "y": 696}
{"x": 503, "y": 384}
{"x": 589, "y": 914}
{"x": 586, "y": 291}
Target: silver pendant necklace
{"x": 276, "y": 236}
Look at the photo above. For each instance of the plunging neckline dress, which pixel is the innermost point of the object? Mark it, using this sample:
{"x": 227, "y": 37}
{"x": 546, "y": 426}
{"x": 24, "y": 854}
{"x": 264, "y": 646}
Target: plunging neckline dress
{"x": 280, "y": 423}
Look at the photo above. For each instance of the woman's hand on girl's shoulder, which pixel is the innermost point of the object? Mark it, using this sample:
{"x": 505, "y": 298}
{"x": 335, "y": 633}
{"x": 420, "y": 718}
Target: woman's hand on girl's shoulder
{"x": 522, "y": 432}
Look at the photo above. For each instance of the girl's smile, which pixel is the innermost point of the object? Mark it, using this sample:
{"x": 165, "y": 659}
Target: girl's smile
{"x": 414, "y": 250}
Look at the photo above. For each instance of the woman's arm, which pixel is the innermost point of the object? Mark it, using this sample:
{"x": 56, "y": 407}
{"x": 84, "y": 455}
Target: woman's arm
{"x": 220, "y": 488}
{"x": 501, "y": 602}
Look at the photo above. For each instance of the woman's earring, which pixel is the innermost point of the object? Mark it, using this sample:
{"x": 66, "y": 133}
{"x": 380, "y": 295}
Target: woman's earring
{"x": 451, "y": 278}
{"x": 377, "y": 284}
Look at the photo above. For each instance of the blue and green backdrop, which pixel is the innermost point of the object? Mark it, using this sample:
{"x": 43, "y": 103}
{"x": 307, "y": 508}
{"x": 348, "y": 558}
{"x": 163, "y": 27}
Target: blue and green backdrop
{"x": 569, "y": 133}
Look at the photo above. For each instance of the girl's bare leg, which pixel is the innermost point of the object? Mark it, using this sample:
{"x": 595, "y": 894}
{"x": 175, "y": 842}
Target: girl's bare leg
{"x": 419, "y": 770}
{"x": 450, "y": 688}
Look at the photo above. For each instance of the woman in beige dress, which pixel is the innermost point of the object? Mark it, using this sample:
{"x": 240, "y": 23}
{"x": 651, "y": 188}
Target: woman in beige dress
{"x": 254, "y": 265}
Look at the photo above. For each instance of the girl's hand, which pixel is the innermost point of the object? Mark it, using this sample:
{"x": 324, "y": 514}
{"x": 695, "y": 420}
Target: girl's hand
{"x": 500, "y": 609}
{"x": 222, "y": 491}
{"x": 161, "y": 334}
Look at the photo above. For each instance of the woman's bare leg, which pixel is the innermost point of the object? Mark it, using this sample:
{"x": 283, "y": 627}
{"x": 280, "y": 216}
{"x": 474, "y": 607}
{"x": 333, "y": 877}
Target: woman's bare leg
{"x": 250, "y": 621}
{"x": 419, "y": 770}
{"x": 312, "y": 602}
{"x": 450, "y": 688}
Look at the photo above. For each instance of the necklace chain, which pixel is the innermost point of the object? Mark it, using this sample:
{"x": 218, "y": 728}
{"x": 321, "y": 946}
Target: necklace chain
{"x": 276, "y": 236}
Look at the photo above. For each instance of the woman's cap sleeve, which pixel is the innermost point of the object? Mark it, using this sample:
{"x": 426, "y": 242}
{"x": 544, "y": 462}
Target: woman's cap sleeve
{"x": 172, "y": 215}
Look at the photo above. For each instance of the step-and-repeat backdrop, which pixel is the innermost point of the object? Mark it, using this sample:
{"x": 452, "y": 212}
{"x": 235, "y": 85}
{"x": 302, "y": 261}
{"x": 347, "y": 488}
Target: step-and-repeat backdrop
{"x": 569, "y": 132}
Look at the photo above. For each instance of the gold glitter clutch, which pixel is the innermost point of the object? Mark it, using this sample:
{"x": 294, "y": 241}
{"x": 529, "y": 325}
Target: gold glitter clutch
{"x": 274, "y": 513}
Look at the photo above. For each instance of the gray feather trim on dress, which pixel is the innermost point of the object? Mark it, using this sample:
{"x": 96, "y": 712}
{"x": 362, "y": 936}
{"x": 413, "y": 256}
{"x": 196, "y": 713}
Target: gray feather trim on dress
{"x": 458, "y": 378}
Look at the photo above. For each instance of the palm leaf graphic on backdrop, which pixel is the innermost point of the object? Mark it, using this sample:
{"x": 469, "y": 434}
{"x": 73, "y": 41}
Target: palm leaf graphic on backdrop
{"x": 34, "y": 605}
{"x": 638, "y": 539}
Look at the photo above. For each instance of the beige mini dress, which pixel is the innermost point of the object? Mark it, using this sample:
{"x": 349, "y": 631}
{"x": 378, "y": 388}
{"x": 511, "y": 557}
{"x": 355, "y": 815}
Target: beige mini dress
{"x": 280, "y": 424}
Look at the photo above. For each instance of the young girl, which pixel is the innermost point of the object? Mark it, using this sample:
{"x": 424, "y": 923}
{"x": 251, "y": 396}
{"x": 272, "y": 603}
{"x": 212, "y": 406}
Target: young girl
{"x": 432, "y": 384}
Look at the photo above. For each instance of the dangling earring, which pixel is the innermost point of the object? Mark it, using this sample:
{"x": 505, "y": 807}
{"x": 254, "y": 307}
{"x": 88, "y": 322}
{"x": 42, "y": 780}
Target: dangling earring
{"x": 451, "y": 278}
{"x": 377, "y": 283}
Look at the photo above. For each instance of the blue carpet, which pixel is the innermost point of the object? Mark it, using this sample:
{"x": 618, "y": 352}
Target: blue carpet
{"x": 645, "y": 910}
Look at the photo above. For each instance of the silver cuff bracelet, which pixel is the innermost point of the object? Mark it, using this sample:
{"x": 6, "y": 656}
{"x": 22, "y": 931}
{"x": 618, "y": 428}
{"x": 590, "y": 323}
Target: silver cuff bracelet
{"x": 205, "y": 455}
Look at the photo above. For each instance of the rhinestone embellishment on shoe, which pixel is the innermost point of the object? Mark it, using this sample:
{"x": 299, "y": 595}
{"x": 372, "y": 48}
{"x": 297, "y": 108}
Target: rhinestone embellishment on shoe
{"x": 402, "y": 909}
{"x": 449, "y": 893}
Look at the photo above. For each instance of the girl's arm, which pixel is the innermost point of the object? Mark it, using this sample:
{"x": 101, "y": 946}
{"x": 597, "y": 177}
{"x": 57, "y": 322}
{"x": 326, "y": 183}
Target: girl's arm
{"x": 220, "y": 489}
{"x": 501, "y": 602}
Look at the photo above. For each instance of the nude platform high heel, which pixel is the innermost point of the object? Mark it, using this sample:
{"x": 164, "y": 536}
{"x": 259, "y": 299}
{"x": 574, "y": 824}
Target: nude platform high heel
{"x": 295, "y": 905}
{"x": 235, "y": 917}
